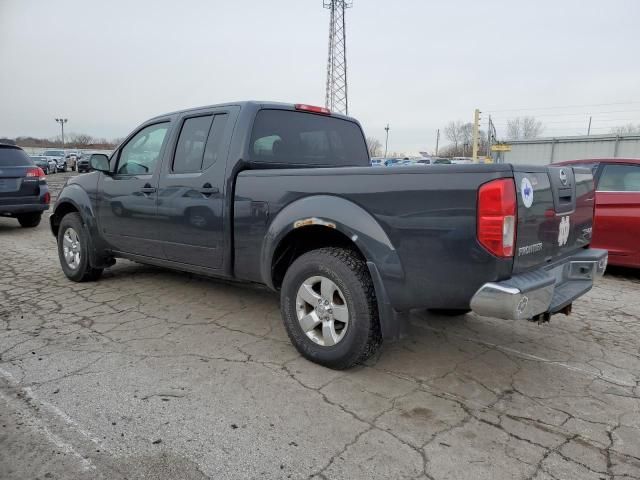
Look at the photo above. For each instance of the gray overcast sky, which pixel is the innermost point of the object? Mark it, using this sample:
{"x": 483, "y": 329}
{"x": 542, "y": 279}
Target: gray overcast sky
{"x": 108, "y": 65}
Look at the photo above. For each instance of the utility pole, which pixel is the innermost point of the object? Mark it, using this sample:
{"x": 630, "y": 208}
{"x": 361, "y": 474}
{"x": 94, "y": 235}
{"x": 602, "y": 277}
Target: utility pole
{"x": 589, "y": 128}
{"x": 476, "y": 133}
{"x": 437, "y": 140}
{"x": 386, "y": 141}
{"x": 489, "y": 137}
{"x": 62, "y": 121}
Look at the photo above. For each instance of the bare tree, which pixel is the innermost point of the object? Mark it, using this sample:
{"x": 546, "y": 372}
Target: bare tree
{"x": 375, "y": 146}
{"x": 81, "y": 139}
{"x": 453, "y": 132}
{"x": 627, "y": 129}
{"x": 521, "y": 128}
{"x": 460, "y": 134}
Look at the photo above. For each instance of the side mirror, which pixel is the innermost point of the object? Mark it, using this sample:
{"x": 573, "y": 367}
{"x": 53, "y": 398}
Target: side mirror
{"x": 99, "y": 162}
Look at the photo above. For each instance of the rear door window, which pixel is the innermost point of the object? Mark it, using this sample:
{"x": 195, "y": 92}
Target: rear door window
{"x": 620, "y": 178}
{"x": 200, "y": 144}
{"x": 303, "y": 139}
{"x": 190, "y": 148}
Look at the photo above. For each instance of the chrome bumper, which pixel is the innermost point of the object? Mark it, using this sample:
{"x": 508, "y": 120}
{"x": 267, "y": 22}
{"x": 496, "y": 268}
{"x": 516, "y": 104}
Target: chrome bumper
{"x": 546, "y": 290}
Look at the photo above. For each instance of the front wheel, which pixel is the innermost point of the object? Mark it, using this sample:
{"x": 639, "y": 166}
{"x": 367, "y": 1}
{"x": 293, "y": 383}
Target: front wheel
{"x": 29, "y": 220}
{"x": 73, "y": 249}
{"x": 329, "y": 308}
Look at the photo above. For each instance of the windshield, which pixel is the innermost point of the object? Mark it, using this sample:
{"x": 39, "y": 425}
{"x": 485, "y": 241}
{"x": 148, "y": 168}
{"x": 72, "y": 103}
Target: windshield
{"x": 54, "y": 153}
{"x": 14, "y": 157}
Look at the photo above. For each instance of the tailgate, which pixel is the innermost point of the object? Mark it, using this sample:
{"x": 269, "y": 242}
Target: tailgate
{"x": 555, "y": 213}
{"x": 13, "y": 183}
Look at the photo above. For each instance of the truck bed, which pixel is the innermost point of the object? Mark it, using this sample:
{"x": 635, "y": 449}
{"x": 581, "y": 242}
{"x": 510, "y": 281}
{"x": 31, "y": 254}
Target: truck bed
{"x": 427, "y": 213}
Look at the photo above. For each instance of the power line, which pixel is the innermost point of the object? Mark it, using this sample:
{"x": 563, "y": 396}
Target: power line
{"x": 590, "y": 112}
{"x": 565, "y": 106}
{"x": 575, "y": 121}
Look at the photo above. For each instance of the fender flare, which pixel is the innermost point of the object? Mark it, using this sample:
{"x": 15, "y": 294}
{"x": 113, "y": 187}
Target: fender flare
{"x": 364, "y": 231}
{"x": 333, "y": 212}
{"x": 77, "y": 197}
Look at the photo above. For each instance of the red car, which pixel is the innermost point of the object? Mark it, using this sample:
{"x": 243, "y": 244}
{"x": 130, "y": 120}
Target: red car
{"x": 616, "y": 224}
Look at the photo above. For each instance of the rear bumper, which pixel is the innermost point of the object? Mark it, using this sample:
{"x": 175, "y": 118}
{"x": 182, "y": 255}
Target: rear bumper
{"x": 546, "y": 290}
{"x": 11, "y": 210}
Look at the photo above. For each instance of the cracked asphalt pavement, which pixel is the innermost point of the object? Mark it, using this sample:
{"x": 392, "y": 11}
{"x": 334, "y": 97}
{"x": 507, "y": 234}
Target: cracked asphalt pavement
{"x": 156, "y": 374}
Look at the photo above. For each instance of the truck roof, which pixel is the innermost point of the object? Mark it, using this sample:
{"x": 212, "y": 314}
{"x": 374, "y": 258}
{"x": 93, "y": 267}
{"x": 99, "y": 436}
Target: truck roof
{"x": 255, "y": 104}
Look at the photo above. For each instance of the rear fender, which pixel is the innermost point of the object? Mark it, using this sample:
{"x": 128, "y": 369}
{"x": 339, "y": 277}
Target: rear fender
{"x": 356, "y": 224}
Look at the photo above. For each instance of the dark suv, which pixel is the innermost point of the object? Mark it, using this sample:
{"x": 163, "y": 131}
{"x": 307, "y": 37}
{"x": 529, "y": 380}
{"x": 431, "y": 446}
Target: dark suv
{"x": 23, "y": 189}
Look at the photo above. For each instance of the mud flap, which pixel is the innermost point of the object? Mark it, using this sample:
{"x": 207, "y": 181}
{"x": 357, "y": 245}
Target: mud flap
{"x": 394, "y": 325}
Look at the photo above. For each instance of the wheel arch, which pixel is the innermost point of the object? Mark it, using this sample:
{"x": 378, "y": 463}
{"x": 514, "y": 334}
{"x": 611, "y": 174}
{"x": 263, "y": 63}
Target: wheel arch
{"x": 75, "y": 199}
{"x": 324, "y": 220}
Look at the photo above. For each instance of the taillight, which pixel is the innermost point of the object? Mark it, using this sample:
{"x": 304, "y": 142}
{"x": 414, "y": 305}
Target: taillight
{"x": 47, "y": 198}
{"x": 312, "y": 108}
{"x": 497, "y": 216}
{"x": 35, "y": 172}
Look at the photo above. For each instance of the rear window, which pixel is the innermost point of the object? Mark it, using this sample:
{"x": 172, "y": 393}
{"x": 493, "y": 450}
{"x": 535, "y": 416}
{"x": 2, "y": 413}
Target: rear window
{"x": 14, "y": 157}
{"x": 305, "y": 139}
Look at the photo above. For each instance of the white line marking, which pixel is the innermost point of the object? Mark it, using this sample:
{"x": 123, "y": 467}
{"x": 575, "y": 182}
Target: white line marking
{"x": 57, "y": 412}
{"x": 37, "y": 425}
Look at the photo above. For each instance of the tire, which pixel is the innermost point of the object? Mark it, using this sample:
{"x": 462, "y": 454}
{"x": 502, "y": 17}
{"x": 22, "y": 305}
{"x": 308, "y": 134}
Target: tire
{"x": 450, "y": 312}
{"x": 82, "y": 271}
{"x": 30, "y": 220}
{"x": 347, "y": 271}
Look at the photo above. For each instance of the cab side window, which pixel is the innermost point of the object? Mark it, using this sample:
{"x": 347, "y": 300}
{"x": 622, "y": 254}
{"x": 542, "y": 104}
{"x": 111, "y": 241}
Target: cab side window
{"x": 200, "y": 143}
{"x": 140, "y": 155}
{"x": 620, "y": 178}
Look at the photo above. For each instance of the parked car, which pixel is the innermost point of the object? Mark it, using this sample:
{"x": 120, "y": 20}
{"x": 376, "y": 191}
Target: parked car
{"x": 424, "y": 161}
{"x": 46, "y": 164}
{"x": 284, "y": 195}
{"x": 390, "y": 162}
{"x": 442, "y": 161}
{"x": 60, "y": 158}
{"x": 23, "y": 187}
{"x": 72, "y": 158}
{"x": 82, "y": 164}
{"x": 616, "y": 226}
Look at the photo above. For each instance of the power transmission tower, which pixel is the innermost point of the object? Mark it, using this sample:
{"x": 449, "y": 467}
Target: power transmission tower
{"x": 336, "y": 95}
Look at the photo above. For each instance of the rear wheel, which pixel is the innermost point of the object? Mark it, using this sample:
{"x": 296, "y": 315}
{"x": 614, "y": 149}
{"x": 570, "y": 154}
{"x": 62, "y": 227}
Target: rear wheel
{"x": 329, "y": 308}
{"x": 30, "y": 220}
{"x": 73, "y": 249}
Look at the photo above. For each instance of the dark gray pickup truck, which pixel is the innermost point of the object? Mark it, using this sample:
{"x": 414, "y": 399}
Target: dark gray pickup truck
{"x": 283, "y": 195}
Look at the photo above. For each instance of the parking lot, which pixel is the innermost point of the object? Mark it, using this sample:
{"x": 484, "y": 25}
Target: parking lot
{"x": 150, "y": 373}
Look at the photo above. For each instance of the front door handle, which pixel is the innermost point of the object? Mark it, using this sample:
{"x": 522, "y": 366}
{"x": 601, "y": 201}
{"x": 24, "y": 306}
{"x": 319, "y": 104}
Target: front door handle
{"x": 207, "y": 189}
